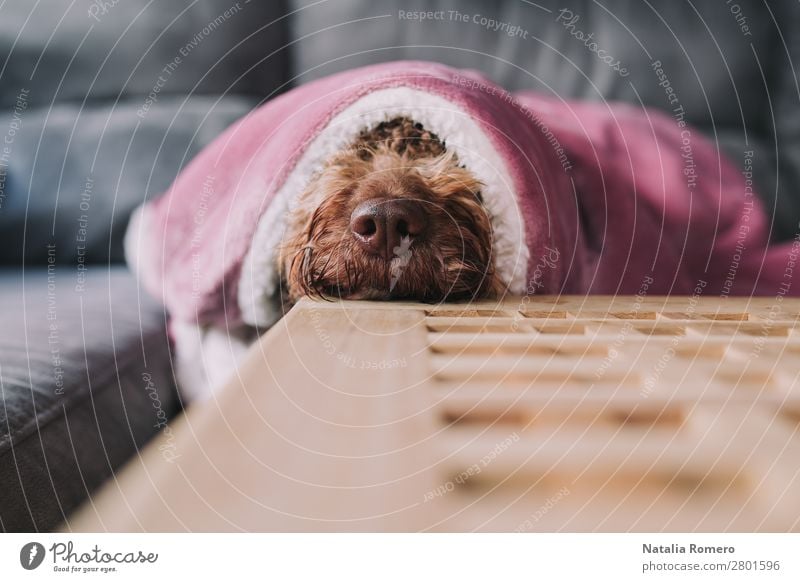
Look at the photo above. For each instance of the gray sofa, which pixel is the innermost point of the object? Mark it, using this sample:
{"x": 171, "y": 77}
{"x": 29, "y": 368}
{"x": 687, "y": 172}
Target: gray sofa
{"x": 103, "y": 102}
{"x": 96, "y": 126}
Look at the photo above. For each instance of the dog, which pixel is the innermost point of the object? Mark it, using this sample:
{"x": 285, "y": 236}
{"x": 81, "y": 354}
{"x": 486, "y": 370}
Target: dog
{"x": 392, "y": 216}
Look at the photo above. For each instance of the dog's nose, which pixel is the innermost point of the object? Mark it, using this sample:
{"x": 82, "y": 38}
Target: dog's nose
{"x": 381, "y": 225}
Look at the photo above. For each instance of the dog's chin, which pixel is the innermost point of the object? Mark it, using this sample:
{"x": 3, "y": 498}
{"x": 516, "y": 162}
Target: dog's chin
{"x": 427, "y": 276}
{"x": 386, "y": 285}
{"x": 365, "y": 278}
{"x": 367, "y": 294}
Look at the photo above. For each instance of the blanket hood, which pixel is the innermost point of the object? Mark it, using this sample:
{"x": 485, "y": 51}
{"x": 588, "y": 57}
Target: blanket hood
{"x": 208, "y": 247}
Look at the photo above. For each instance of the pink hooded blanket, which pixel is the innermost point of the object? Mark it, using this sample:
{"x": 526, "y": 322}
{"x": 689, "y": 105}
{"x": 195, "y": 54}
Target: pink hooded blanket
{"x": 583, "y": 197}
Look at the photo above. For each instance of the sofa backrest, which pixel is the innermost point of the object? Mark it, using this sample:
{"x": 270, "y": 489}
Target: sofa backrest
{"x": 103, "y": 101}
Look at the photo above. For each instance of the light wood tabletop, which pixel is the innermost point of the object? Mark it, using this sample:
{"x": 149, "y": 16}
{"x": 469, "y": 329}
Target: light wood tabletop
{"x": 633, "y": 413}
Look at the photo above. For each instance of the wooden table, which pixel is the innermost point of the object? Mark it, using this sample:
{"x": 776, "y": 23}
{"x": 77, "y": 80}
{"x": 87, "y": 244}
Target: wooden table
{"x": 535, "y": 414}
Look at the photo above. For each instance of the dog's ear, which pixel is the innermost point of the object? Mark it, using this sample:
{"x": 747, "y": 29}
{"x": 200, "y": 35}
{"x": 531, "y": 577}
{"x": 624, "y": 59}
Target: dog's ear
{"x": 445, "y": 177}
{"x": 473, "y": 242}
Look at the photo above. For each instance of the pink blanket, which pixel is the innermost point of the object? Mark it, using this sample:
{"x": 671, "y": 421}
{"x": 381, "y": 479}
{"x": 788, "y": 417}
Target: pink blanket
{"x": 584, "y": 197}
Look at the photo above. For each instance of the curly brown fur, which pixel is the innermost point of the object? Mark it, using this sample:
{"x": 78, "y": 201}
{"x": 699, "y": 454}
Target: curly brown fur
{"x": 397, "y": 159}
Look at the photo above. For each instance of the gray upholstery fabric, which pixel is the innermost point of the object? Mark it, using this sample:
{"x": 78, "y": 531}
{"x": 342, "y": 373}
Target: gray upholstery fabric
{"x": 83, "y": 376}
{"x": 736, "y": 84}
{"x": 123, "y": 93}
{"x": 92, "y": 50}
{"x": 98, "y": 163}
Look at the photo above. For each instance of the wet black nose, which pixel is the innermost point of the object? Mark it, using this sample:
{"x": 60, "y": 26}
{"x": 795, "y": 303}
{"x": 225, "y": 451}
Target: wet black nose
{"x": 380, "y": 225}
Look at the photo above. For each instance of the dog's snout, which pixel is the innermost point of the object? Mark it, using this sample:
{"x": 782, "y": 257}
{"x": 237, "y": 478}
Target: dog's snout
{"x": 381, "y": 225}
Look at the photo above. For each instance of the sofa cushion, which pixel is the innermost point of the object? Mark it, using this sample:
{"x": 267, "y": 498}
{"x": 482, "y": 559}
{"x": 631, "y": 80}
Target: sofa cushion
{"x": 75, "y": 174}
{"x": 85, "y": 380}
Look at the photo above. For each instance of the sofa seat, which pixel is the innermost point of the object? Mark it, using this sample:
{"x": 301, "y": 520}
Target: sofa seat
{"x": 85, "y": 381}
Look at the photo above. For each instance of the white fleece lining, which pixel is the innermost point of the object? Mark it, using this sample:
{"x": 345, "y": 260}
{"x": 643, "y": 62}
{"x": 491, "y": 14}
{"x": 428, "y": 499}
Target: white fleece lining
{"x": 258, "y": 285}
{"x": 136, "y": 242}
